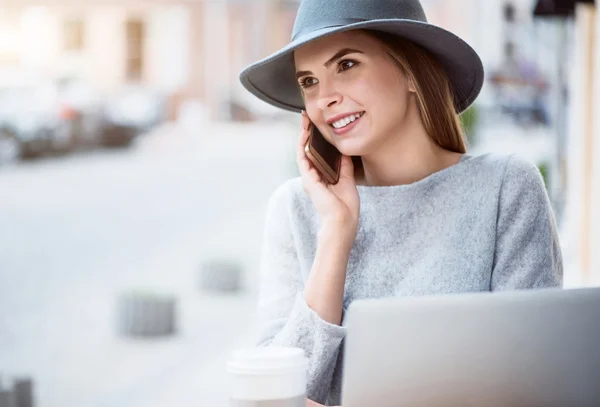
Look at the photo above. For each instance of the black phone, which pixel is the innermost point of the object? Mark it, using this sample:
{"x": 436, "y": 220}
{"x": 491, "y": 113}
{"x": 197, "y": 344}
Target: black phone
{"x": 326, "y": 158}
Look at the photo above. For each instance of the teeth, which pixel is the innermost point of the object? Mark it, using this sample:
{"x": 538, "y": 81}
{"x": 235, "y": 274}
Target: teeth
{"x": 346, "y": 121}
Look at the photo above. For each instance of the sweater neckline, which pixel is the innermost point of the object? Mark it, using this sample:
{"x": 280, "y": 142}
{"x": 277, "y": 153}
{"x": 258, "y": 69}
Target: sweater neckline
{"x": 430, "y": 178}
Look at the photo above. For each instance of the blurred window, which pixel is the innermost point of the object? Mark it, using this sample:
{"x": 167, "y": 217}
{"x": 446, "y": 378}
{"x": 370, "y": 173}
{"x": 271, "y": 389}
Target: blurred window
{"x": 135, "y": 47}
{"x": 74, "y": 33}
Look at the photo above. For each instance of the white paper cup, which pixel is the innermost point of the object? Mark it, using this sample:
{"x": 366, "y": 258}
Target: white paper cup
{"x": 268, "y": 377}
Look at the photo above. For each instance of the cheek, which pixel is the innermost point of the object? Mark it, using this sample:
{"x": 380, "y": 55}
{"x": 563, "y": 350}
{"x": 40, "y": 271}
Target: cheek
{"x": 311, "y": 108}
{"x": 380, "y": 93}
{"x": 310, "y": 103}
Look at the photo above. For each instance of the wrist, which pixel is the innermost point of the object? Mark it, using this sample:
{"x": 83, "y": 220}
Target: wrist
{"x": 335, "y": 234}
{"x": 339, "y": 225}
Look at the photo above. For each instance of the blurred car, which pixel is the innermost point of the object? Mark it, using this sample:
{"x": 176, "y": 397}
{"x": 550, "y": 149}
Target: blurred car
{"x": 82, "y": 108}
{"x": 10, "y": 147}
{"x": 131, "y": 111}
{"x": 40, "y": 117}
{"x": 31, "y": 122}
{"x": 240, "y": 105}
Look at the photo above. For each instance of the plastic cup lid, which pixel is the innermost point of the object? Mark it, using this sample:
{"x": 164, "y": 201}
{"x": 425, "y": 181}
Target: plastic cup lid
{"x": 267, "y": 360}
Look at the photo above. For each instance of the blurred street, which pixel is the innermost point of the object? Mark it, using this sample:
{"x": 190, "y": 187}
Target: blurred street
{"x": 79, "y": 231}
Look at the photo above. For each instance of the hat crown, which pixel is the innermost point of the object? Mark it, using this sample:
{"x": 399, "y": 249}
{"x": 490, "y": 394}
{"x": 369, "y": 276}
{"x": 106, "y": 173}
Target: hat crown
{"x": 315, "y": 14}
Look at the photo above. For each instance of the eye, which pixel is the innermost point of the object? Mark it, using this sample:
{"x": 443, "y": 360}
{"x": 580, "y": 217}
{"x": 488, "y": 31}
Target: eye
{"x": 307, "y": 82}
{"x": 347, "y": 64}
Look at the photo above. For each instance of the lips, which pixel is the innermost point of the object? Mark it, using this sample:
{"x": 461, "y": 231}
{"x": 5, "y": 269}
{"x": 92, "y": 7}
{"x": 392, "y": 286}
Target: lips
{"x": 347, "y": 123}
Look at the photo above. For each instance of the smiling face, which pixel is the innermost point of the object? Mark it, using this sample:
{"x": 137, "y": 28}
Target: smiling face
{"x": 354, "y": 92}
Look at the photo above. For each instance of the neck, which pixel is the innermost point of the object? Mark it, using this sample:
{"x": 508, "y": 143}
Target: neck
{"x": 408, "y": 157}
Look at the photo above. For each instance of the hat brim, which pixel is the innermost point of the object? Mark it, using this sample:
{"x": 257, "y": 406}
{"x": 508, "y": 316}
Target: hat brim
{"x": 273, "y": 80}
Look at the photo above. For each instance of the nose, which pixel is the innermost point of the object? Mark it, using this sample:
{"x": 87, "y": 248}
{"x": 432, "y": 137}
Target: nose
{"x": 328, "y": 98}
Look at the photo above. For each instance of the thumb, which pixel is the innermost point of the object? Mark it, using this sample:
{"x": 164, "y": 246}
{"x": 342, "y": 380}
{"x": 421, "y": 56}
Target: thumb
{"x": 347, "y": 168}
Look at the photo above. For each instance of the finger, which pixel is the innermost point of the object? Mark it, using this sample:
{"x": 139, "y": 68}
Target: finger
{"x": 314, "y": 176}
{"x": 313, "y": 183}
{"x": 302, "y": 161}
{"x": 304, "y": 166}
{"x": 304, "y": 130}
{"x": 304, "y": 133}
{"x": 311, "y": 179}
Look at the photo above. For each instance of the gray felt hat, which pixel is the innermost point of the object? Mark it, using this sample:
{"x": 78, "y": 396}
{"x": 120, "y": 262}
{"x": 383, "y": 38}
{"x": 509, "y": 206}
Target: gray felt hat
{"x": 272, "y": 79}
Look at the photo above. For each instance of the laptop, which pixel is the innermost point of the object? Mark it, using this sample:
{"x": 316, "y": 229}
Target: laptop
{"x": 538, "y": 348}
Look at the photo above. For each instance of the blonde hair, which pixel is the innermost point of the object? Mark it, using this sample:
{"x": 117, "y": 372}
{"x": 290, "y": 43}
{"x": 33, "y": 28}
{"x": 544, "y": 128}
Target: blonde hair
{"x": 434, "y": 94}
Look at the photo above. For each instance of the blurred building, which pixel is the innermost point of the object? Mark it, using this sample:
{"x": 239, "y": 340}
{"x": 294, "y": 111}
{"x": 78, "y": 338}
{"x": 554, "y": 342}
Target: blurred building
{"x": 497, "y": 28}
{"x": 196, "y": 48}
{"x": 190, "y": 49}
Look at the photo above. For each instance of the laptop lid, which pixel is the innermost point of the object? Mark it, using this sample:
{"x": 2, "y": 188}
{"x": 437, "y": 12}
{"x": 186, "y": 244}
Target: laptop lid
{"x": 519, "y": 348}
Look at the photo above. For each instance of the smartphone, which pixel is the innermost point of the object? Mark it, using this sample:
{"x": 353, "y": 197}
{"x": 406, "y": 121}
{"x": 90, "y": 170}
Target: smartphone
{"x": 323, "y": 155}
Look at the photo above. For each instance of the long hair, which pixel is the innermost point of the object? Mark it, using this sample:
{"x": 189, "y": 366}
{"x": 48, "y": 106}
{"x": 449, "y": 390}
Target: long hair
{"x": 434, "y": 94}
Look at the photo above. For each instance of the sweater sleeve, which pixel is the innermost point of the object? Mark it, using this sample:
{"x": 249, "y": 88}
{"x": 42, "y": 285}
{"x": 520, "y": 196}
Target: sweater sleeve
{"x": 285, "y": 319}
{"x": 528, "y": 253}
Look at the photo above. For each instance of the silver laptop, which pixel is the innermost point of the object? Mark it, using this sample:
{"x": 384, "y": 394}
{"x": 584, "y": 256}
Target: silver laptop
{"x": 511, "y": 349}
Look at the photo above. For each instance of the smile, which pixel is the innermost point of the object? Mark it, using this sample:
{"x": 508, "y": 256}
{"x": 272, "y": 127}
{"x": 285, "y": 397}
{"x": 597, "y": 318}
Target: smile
{"x": 340, "y": 124}
{"x": 346, "y": 124}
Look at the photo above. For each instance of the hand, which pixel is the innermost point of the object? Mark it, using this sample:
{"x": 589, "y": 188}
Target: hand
{"x": 310, "y": 403}
{"x": 338, "y": 204}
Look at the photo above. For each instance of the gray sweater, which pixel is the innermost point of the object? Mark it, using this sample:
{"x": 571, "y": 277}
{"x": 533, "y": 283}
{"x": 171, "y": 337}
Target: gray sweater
{"x": 484, "y": 224}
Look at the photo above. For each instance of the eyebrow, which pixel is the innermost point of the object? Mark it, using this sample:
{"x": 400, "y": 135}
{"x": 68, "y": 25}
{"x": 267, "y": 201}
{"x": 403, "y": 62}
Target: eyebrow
{"x": 340, "y": 54}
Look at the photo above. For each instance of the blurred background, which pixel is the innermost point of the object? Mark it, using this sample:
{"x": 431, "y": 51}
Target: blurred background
{"x": 135, "y": 172}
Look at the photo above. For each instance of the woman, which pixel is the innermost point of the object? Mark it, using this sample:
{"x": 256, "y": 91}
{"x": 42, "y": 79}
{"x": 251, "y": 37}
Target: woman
{"x": 412, "y": 213}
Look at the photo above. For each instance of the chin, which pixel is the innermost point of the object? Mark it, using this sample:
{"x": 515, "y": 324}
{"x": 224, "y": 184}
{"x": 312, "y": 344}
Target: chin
{"x": 351, "y": 147}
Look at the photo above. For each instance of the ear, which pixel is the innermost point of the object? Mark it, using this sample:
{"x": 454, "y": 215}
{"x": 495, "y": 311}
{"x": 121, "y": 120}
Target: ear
{"x": 411, "y": 85}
